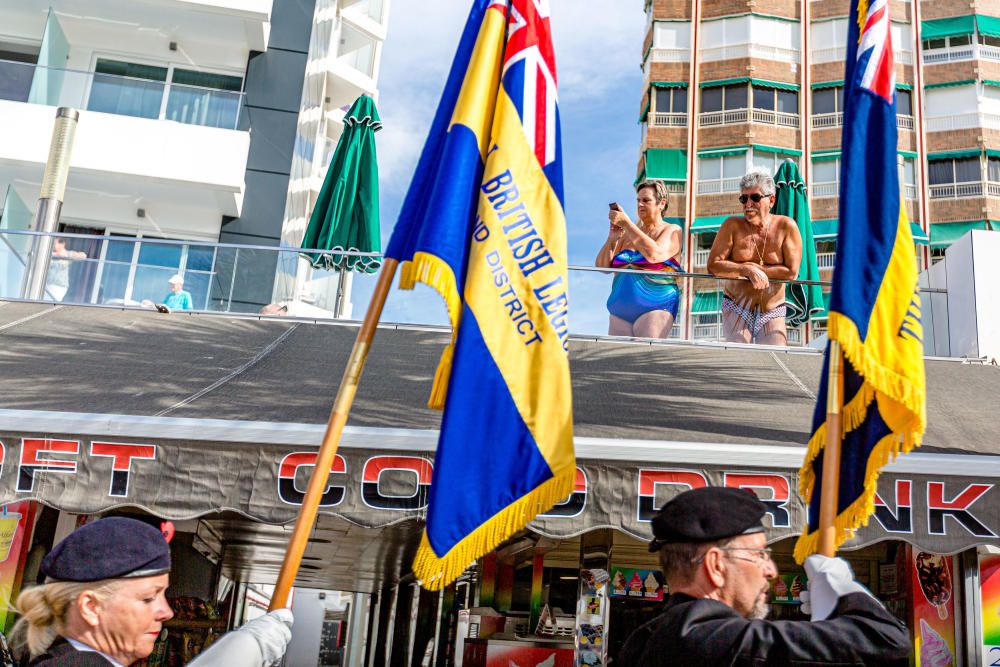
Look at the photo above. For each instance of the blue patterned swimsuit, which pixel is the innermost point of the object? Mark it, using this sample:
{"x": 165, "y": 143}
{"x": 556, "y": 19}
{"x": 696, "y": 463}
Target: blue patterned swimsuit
{"x": 633, "y": 295}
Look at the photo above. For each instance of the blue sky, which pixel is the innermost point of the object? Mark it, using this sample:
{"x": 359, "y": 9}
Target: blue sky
{"x": 598, "y": 57}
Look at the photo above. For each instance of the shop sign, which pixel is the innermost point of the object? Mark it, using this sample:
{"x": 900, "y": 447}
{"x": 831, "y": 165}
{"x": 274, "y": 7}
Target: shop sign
{"x": 636, "y": 584}
{"x": 187, "y": 478}
{"x": 933, "y": 609}
{"x": 592, "y": 613}
{"x": 785, "y": 588}
{"x": 989, "y": 594}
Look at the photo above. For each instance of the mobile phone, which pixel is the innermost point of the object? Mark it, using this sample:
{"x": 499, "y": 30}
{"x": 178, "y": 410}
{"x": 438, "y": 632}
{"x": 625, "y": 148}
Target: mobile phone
{"x": 614, "y": 206}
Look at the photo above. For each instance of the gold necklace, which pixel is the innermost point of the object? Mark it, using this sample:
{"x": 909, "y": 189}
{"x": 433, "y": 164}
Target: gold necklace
{"x": 760, "y": 251}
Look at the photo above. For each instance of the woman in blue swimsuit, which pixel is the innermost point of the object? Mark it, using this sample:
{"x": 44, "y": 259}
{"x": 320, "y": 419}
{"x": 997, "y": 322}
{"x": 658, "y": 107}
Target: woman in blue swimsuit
{"x": 643, "y": 305}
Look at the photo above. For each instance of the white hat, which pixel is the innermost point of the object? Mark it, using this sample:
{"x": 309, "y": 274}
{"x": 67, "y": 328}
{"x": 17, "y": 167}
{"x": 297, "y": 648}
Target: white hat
{"x": 176, "y": 278}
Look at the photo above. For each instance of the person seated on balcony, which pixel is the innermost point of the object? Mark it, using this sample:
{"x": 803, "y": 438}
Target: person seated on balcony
{"x": 757, "y": 248}
{"x": 58, "y": 280}
{"x": 177, "y": 299}
{"x": 642, "y": 305}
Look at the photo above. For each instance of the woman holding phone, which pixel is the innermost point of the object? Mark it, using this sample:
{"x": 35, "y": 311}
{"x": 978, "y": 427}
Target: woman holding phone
{"x": 642, "y": 305}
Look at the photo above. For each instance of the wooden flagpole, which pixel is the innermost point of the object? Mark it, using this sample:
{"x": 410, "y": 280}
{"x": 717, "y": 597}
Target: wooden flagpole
{"x": 831, "y": 452}
{"x": 331, "y": 439}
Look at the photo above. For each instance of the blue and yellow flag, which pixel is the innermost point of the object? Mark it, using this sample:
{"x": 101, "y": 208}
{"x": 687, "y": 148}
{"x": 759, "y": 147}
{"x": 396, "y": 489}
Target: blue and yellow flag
{"x": 483, "y": 224}
{"x": 875, "y": 305}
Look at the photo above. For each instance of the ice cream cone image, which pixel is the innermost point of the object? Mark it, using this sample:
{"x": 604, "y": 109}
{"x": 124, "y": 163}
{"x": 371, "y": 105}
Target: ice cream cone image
{"x": 934, "y": 650}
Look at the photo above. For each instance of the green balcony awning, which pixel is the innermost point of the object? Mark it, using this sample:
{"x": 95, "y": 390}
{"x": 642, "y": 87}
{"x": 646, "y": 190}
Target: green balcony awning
{"x": 827, "y": 84}
{"x": 954, "y": 155}
{"x": 644, "y": 112}
{"x": 946, "y": 233}
{"x": 824, "y": 229}
{"x": 909, "y": 154}
{"x": 668, "y": 164}
{"x": 710, "y": 223}
{"x": 992, "y": 152}
{"x": 825, "y": 156}
{"x": 780, "y": 85}
{"x": 706, "y": 303}
{"x": 949, "y": 84}
{"x": 723, "y": 151}
{"x": 992, "y": 83}
{"x": 904, "y": 86}
{"x": 669, "y": 84}
{"x": 949, "y": 27}
{"x": 781, "y": 150}
{"x": 724, "y": 82}
{"x": 987, "y": 25}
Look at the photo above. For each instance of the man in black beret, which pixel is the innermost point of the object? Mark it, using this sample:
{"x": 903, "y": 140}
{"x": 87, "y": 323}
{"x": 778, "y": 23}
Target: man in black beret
{"x": 103, "y": 604}
{"x": 715, "y": 559}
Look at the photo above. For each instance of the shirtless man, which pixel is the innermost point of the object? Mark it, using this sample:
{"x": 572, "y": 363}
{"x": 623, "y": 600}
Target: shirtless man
{"x": 760, "y": 247}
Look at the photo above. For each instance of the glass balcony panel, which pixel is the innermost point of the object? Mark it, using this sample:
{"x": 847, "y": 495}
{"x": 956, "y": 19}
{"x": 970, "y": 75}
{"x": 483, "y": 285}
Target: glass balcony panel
{"x": 153, "y": 254}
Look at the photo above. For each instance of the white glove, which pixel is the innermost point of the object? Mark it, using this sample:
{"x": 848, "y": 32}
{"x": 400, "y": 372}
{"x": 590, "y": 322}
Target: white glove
{"x": 273, "y": 632}
{"x": 829, "y": 580}
{"x": 262, "y": 642}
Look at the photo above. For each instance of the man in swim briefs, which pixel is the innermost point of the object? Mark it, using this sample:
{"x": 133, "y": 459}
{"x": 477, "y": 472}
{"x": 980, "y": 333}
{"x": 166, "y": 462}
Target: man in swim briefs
{"x": 757, "y": 247}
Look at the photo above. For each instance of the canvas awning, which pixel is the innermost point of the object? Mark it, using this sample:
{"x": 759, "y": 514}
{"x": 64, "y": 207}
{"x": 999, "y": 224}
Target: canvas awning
{"x": 708, "y": 223}
{"x": 723, "y": 151}
{"x": 764, "y": 83}
{"x": 949, "y": 27}
{"x": 946, "y": 233}
{"x": 955, "y": 155}
{"x": 827, "y": 84}
{"x": 826, "y": 230}
{"x": 706, "y": 303}
{"x": 669, "y": 164}
{"x": 988, "y": 25}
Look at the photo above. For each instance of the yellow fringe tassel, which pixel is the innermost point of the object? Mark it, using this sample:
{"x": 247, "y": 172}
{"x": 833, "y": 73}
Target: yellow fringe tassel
{"x": 437, "y": 274}
{"x": 436, "y": 572}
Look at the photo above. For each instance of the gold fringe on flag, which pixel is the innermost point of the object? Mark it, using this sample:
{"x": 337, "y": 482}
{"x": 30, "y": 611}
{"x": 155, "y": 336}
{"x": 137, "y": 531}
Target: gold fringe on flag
{"x": 437, "y": 572}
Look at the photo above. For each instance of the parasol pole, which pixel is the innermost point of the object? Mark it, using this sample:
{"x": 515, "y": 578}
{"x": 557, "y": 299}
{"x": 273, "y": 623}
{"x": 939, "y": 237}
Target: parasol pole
{"x": 831, "y": 452}
{"x": 331, "y": 439}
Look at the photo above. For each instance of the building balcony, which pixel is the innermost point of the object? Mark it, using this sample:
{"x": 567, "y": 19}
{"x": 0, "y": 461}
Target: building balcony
{"x": 839, "y": 53}
{"x": 973, "y": 51}
{"x": 764, "y": 52}
{"x": 970, "y": 189}
{"x": 657, "y": 55}
{"x": 963, "y": 121}
{"x": 659, "y": 119}
{"x": 738, "y": 116}
{"x": 701, "y": 257}
{"x": 832, "y": 189}
{"x": 716, "y": 186}
{"x": 822, "y": 121}
{"x": 824, "y": 260}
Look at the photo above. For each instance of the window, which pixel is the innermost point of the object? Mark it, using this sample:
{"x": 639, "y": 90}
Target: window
{"x": 724, "y": 98}
{"x": 826, "y": 171}
{"x": 773, "y": 99}
{"x": 993, "y": 169}
{"x": 988, "y": 40}
{"x": 770, "y": 161}
{"x": 908, "y": 172}
{"x": 17, "y": 69}
{"x": 947, "y": 42}
{"x": 904, "y": 102}
{"x": 826, "y": 247}
{"x": 192, "y": 97}
{"x": 828, "y": 100}
{"x": 674, "y": 35}
{"x": 721, "y": 174}
{"x": 671, "y": 100}
{"x": 962, "y": 170}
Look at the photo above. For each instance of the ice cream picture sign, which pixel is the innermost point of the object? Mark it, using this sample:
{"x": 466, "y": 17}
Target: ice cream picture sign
{"x": 637, "y": 584}
{"x": 785, "y": 588}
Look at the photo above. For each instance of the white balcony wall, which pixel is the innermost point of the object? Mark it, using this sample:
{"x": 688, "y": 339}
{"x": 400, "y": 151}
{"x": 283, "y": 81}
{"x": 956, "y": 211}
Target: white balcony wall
{"x": 186, "y": 177}
{"x": 989, "y": 103}
{"x": 757, "y": 36}
{"x": 951, "y": 101}
{"x": 672, "y": 35}
{"x": 828, "y": 39}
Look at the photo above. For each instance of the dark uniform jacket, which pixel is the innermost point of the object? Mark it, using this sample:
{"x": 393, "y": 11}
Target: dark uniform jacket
{"x": 700, "y": 633}
{"x": 62, "y": 654}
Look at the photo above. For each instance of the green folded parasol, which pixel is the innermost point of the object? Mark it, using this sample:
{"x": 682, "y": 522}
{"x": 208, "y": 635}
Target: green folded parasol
{"x": 803, "y": 301}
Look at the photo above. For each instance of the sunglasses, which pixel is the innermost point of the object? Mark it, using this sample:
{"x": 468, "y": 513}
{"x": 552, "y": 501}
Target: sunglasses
{"x": 755, "y": 197}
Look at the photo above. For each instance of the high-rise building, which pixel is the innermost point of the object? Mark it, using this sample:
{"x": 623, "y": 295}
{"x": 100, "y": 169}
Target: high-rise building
{"x": 201, "y": 120}
{"x": 735, "y": 84}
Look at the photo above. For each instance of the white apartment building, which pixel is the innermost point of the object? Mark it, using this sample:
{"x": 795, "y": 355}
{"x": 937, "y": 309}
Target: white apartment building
{"x": 200, "y": 120}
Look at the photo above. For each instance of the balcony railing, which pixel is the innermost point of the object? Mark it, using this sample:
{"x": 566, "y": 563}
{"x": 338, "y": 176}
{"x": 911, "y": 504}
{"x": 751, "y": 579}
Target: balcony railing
{"x": 660, "y": 119}
{"x": 676, "y": 187}
{"x": 824, "y": 260}
{"x": 957, "y": 190}
{"x": 963, "y": 121}
{"x": 969, "y": 52}
{"x": 718, "y": 185}
{"x": 764, "y": 52}
{"x": 669, "y": 55}
{"x": 701, "y": 257}
{"x": 909, "y": 191}
{"x": 839, "y": 53}
{"x": 124, "y": 272}
{"x": 120, "y": 95}
{"x": 904, "y": 122}
{"x": 824, "y": 120}
{"x": 737, "y": 116}
{"x": 828, "y": 189}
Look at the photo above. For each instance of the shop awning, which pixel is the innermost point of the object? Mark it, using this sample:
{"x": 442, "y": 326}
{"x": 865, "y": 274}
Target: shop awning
{"x": 706, "y": 303}
{"x": 987, "y": 25}
{"x": 955, "y": 155}
{"x": 949, "y": 84}
{"x": 949, "y": 27}
{"x": 709, "y": 223}
{"x": 669, "y": 164}
{"x": 723, "y": 151}
{"x": 946, "y": 233}
{"x": 827, "y": 84}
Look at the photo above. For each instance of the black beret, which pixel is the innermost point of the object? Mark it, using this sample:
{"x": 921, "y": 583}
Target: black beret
{"x": 708, "y": 514}
{"x": 111, "y": 548}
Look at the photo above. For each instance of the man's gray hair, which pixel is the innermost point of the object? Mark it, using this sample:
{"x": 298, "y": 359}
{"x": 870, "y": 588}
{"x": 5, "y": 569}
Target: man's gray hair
{"x": 659, "y": 188}
{"x": 680, "y": 561}
{"x": 758, "y": 178}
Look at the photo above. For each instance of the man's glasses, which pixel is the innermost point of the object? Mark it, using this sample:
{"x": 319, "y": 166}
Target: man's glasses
{"x": 756, "y": 197}
{"x": 763, "y": 555}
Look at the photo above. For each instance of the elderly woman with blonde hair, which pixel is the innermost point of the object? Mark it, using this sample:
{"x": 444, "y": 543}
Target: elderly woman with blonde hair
{"x": 104, "y": 604}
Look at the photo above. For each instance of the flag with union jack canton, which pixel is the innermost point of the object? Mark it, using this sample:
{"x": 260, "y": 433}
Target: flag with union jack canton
{"x": 483, "y": 224}
{"x": 875, "y": 304}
